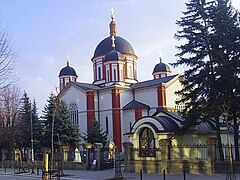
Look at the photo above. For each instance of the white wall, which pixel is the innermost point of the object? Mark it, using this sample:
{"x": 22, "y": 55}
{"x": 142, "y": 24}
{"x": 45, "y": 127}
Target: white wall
{"x": 147, "y": 96}
{"x": 74, "y": 95}
{"x": 171, "y": 97}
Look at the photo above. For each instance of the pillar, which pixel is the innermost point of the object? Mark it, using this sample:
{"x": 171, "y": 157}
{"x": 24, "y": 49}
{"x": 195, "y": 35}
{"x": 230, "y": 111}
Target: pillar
{"x": 211, "y": 147}
{"x": 97, "y": 148}
{"x": 90, "y": 109}
{"x": 116, "y": 114}
{"x": 128, "y": 155}
{"x": 164, "y": 148}
{"x": 65, "y": 150}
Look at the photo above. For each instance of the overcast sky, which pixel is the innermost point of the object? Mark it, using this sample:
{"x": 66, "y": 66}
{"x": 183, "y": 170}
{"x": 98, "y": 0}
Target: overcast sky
{"x": 45, "y": 32}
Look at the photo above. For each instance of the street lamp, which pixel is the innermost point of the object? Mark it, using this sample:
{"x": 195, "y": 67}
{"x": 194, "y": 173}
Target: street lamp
{"x": 32, "y": 152}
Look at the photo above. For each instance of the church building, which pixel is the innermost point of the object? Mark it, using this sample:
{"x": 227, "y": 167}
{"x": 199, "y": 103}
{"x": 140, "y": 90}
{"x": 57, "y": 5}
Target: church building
{"x": 116, "y": 98}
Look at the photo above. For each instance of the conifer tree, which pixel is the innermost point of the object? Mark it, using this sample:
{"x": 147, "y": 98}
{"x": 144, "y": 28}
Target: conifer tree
{"x": 95, "y": 134}
{"x": 211, "y": 53}
{"x": 63, "y": 127}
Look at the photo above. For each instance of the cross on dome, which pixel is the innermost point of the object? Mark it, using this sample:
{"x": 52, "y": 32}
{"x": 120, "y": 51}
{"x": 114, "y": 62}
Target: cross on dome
{"x": 113, "y": 42}
{"x": 112, "y": 15}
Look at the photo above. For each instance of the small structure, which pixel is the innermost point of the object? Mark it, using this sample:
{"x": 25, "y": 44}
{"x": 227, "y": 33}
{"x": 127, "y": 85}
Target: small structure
{"x": 156, "y": 144}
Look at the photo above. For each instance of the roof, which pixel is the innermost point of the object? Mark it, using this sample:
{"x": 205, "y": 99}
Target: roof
{"x": 135, "y": 104}
{"x": 161, "y": 67}
{"x": 153, "y": 82}
{"x": 67, "y": 71}
{"x": 113, "y": 55}
{"x": 86, "y": 86}
{"x": 121, "y": 45}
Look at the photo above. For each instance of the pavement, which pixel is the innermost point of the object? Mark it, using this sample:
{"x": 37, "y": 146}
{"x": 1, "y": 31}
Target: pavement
{"x": 110, "y": 174}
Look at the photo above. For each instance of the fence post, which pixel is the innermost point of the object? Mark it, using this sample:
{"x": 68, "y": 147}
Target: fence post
{"x": 164, "y": 174}
{"x": 211, "y": 147}
{"x": 184, "y": 174}
{"x": 140, "y": 174}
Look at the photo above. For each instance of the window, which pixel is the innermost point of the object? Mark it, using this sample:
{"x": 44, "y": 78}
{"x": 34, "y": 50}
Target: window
{"x": 107, "y": 125}
{"x": 146, "y": 143}
{"x": 74, "y": 113}
{"x": 99, "y": 73}
{"x": 114, "y": 75}
{"x": 108, "y": 76}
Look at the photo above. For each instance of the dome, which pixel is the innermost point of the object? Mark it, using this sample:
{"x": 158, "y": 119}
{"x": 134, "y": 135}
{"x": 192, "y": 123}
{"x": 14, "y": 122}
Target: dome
{"x": 113, "y": 56}
{"x": 161, "y": 67}
{"x": 121, "y": 45}
{"x": 67, "y": 71}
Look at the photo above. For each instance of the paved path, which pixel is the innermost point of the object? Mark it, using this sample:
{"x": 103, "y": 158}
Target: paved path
{"x": 109, "y": 174}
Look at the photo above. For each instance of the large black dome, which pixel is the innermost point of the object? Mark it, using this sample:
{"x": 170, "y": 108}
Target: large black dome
{"x": 67, "y": 71}
{"x": 121, "y": 45}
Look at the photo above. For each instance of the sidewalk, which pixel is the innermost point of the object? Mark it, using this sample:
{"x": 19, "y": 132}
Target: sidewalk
{"x": 109, "y": 174}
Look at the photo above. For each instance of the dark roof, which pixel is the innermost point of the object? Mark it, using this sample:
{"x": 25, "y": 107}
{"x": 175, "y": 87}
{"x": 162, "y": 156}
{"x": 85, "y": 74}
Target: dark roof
{"x": 86, "y": 86}
{"x": 113, "y": 55}
{"x": 161, "y": 67}
{"x": 168, "y": 124}
{"x": 204, "y": 125}
{"x": 67, "y": 71}
{"x": 153, "y": 82}
{"x": 135, "y": 104}
{"x": 121, "y": 45}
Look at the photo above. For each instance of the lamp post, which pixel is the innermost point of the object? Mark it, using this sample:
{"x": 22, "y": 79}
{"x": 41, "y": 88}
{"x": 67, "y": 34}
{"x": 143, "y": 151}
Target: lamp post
{"x": 32, "y": 152}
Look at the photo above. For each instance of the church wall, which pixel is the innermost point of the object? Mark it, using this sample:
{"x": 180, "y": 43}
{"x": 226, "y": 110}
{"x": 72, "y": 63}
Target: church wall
{"x": 126, "y": 97}
{"x": 105, "y": 102}
{"x": 171, "y": 97}
{"x": 147, "y": 96}
{"x": 127, "y": 121}
{"x": 106, "y": 122}
{"x": 74, "y": 95}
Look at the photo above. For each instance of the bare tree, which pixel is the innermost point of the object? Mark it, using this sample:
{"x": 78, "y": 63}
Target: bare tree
{"x": 7, "y": 60}
{"x": 9, "y": 103}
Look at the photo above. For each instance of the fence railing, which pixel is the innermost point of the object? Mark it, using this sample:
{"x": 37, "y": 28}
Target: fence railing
{"x": 196, "y": 152}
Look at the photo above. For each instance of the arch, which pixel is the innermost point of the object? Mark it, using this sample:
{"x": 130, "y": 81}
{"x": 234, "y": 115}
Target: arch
{"x": 146, "y": 143}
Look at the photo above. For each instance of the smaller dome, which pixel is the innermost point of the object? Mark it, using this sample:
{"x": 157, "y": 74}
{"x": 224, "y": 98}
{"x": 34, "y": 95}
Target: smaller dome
{"x": 113, "y": 56}
{"x": 67, "y": 71}
{"x": 161, "y": 67}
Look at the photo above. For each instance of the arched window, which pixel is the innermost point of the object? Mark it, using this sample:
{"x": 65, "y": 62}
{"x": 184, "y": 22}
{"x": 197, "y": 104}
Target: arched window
{"x": 74, "y": 113}
{"x": 146, "y": 143}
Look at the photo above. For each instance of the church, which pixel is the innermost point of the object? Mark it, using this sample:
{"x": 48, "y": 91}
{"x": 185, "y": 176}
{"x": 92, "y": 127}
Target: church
{"x": 116, "y": 98}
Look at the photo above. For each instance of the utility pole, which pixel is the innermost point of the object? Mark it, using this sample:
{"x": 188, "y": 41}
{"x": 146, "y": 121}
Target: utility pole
{"x": 32, "y": 151}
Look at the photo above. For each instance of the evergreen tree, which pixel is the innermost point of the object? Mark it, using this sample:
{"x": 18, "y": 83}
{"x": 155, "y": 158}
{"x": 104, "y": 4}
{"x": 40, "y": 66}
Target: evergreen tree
{"x": 56, "y": 115}
{"x": 37, "y": 129}
{"x": 212, "y": 55}
{"x": 225, "y": 43}
{"x": 23, "y": 138}
{"x": 95, "y": 134}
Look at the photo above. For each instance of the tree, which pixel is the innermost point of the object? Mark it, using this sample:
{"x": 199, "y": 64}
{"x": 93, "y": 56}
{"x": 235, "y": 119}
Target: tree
{"x": 7, "y": 56}
{"x": 95, "y": 134}
{"x": 225, "y": 41}
{"x": 63, "y": 127}
{"x": 37, "y": 128}
{"x": 24, "y": 123}
{"x": 9, "y": 103}
{"x": 212, "y": 55}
